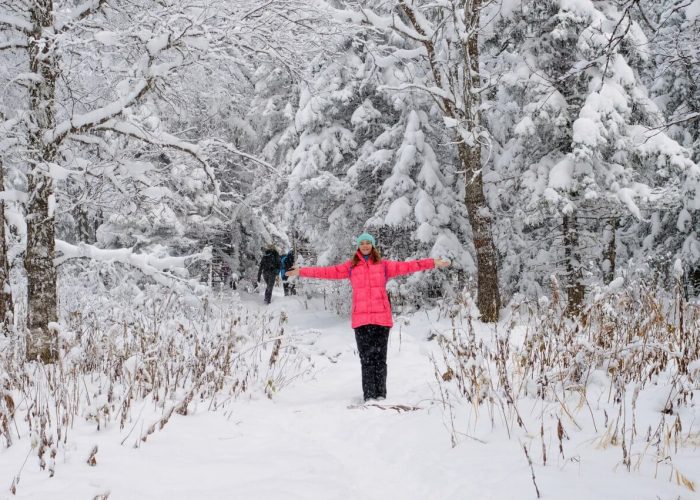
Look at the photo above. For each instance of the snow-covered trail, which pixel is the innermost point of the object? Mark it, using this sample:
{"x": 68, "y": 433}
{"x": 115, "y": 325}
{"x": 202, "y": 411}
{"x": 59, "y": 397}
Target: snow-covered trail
{"x": 310, "y": 445}
{"x": 307, "y": 444}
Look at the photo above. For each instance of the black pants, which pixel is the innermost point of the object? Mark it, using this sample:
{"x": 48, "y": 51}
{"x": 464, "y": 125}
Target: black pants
{"x": 270, "y": 283}
{"x": 372, "y": 341}
{"x": 289, "y": 288}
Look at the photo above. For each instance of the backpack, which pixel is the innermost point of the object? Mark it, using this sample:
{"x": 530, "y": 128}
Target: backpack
{"x": 283, "y": 266}
{"x": 269, "y": 262}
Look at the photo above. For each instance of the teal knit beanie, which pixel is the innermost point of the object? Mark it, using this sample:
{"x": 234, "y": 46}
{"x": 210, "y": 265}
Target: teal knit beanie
{"x": 366, "y": 237}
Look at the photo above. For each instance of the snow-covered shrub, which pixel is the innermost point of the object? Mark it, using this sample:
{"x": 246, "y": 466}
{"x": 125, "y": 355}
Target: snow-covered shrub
{"x": 626, "y": 372}
{"x": 124, "y": 348}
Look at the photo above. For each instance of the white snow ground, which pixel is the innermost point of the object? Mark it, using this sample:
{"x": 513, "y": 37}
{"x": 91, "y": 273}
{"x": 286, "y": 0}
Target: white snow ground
{"x": 307, "y": 444}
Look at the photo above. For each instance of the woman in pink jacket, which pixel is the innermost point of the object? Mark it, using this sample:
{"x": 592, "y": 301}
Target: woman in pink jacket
{"x": 371, "y": 311}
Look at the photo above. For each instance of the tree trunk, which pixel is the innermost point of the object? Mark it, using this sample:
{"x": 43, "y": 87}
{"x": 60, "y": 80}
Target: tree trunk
{"x": 488, "y": 293}
{"x": 85, "y": 229}
{"x": 575, "y": 290}
{"x": 489, "y": 298}
{"x": 39, "y": 258}
{"x": 610, "y": 251}
{"x": 6, "y": 306}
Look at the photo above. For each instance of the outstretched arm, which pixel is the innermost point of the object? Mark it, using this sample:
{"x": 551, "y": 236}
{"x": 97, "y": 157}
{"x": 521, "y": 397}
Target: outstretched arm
{"x": 395, "y": 268}
{"x": 339, "y": 272}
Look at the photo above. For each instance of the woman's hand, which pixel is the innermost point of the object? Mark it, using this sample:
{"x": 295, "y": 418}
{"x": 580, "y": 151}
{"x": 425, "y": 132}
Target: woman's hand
{"x": 442, "y": 263}
{"x": 293, "y": 271}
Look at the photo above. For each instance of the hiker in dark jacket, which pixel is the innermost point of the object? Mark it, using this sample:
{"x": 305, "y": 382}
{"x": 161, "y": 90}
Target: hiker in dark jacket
{"x": 286, "y": 263}
{"x": 269, "y": 265}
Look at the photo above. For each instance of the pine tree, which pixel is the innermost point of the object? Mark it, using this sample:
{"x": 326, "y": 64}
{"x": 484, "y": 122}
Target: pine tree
{"x": 576, "y": 138}
{"x": 673, "y": 29}
{"x": 366, "y": 159}
{"x": 443, "y": 51}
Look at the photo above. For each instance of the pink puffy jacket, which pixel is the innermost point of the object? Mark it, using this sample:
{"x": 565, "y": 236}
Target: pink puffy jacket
{"x": 370, "y": 302}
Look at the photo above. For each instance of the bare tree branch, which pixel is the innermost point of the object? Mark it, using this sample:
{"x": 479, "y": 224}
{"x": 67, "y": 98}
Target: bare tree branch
{"x": 81, "y": 12}
{"x": 162, "y": 140}
{"x": 16, "y": 23}
{"x": 13, "y": 45}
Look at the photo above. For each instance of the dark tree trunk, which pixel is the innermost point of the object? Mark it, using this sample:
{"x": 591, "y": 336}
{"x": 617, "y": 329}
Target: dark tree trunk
{"x": 489, "y": 298}
{"x": 575, "y": 290}
{"x": 39, "y": 259}
{"x": 6, "y": 305}
{"x": 84, "y": 227}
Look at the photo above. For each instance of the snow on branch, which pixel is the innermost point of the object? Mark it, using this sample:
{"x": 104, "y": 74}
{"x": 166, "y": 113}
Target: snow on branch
{"x": 81, "y": 12}
{"x": 7, "y": 125}
{"x": 688, "y": 118}
{"x": 383, "y": 23}
{"x": 257, "y": 9}
{"x": 13, "y": 45}
{"x": 163, "y": 270}
{"x": 86, "y": 121}
{"x": 162, "y": 139}
{"x": 90, "y": 140}
{"x": 6, "y": 144}
{"x": 230, "y": 148}
{"x": 345, "y": 16}
{"x": 436, "y": 91}
{"x": 13, "y": 195}
{"x": 6, "y": 140}
{"x": 96, "y": 117}
{"x": 16, "y": 23}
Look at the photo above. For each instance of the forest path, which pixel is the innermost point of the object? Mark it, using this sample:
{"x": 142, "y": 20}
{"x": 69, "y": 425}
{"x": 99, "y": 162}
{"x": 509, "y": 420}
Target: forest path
{"x": 306, "y": 443}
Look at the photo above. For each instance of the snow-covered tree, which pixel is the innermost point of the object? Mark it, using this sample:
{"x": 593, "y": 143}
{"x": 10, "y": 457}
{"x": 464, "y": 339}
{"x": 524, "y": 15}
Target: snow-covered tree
{"x": 367, "y": 157}
{"x": 673, "y": 30}
{"x": 99, "y": 71}
{"x": 442, "y": 47}
{"x": 577, "y": 138}
{"x": 322, "y": 199}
